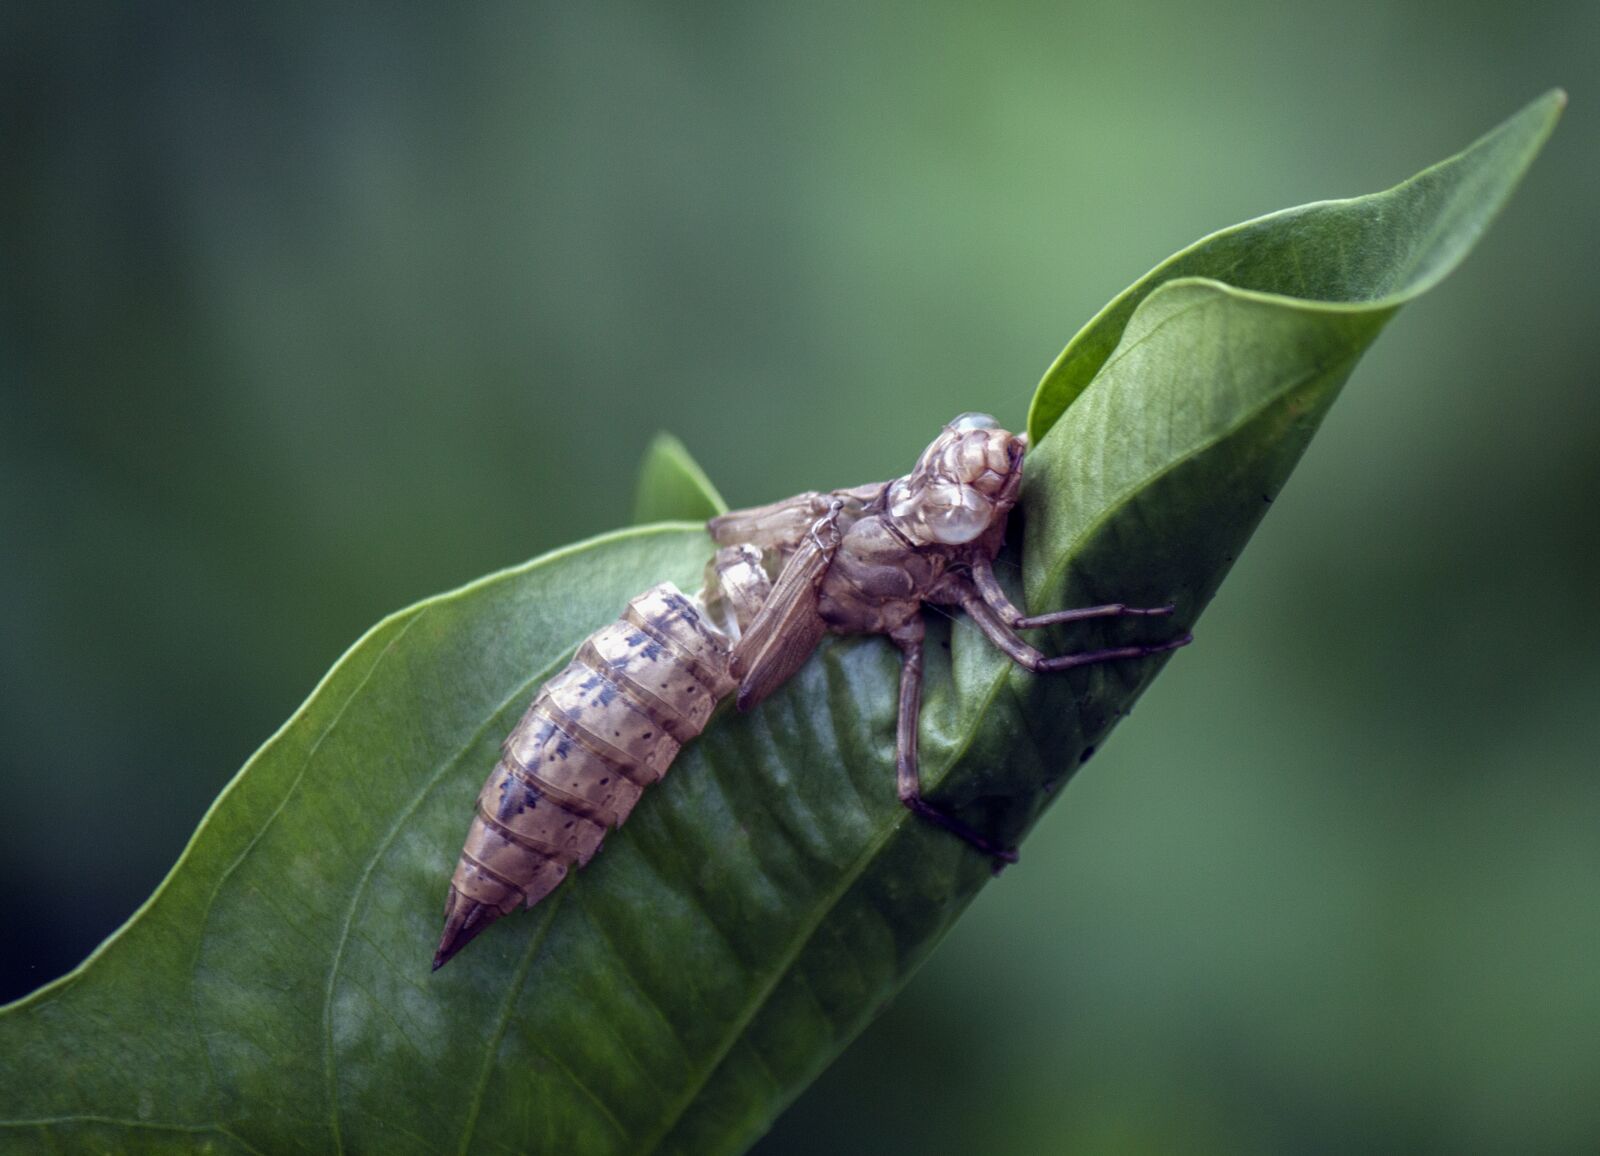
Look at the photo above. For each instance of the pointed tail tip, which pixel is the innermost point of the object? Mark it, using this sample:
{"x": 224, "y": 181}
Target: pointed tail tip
{"x": 463, "y": 919}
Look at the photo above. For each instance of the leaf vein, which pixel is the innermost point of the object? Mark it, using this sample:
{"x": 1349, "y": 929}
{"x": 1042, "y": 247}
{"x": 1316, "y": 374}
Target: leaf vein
{"x": 444, "y": 768}
{"x": 222, "y": 879}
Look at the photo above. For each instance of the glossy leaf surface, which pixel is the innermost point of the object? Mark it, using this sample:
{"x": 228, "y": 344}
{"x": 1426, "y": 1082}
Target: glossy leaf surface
{"x": 771, "y": 895}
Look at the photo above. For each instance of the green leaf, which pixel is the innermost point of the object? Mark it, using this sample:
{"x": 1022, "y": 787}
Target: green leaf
{"x": 1371, "y": 253}
{"x": 672, "y": 487}
{"x": 769, "y": 898}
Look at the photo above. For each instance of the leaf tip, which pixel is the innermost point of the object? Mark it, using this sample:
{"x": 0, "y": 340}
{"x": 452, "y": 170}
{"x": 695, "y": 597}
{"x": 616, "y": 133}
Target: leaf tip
{"x": 1543, "y": 112}
{"x": 671, "y": 485}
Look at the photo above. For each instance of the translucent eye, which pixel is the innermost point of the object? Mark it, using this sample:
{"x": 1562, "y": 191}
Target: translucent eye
{"x": 973, "y": 421}
{"x": 955, "y": 514}
{"x": 954, "y": 527}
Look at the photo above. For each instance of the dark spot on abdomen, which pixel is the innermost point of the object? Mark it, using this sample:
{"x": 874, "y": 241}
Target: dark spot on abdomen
{"x": 516, "y": 796}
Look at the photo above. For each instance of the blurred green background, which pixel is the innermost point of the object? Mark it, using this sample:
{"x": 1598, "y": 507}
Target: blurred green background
{"x": 306, "y": 314}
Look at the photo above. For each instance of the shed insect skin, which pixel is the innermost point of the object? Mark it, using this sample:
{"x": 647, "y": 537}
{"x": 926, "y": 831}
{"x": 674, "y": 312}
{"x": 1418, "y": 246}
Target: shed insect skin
{"x": 604, "y": 728}
{"x": 875, "y": 559}
{"x": 857, "y": 561}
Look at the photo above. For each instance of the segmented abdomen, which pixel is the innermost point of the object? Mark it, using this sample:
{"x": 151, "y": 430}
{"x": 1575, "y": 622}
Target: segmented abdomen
{"x": 599, "y": 732}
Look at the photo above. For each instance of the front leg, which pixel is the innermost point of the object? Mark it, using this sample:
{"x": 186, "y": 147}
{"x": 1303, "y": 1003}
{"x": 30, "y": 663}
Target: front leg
{"x": 988, "y": 587}
{"x": 1004, "y": 636}
{"x": 909, "y": 780}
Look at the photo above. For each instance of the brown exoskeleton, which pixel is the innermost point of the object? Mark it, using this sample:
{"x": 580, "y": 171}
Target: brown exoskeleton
{"x": 867, "y": 560}
{"x": 856, "y": 561}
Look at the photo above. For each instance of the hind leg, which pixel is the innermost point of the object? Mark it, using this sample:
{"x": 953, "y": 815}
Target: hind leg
{"x": 908, "y": 778}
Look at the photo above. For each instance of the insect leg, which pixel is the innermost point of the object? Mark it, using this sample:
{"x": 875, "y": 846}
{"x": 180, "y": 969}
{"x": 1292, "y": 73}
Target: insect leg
{"x": 909, "y": 782}
{"x": 1008, "y": 613}
{"x": 1003, "y": 636}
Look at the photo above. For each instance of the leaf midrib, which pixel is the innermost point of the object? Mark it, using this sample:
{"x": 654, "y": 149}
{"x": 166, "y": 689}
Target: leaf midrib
{"x": 652, "y": 1142}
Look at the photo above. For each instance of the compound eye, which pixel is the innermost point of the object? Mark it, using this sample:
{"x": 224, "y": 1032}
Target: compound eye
{"x": 970, "y": 421}
{"x": 955, "y": 514}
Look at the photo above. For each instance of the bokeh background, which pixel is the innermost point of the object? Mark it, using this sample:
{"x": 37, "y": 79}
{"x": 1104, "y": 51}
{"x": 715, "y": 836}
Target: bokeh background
{"x": 306, "y": 314}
